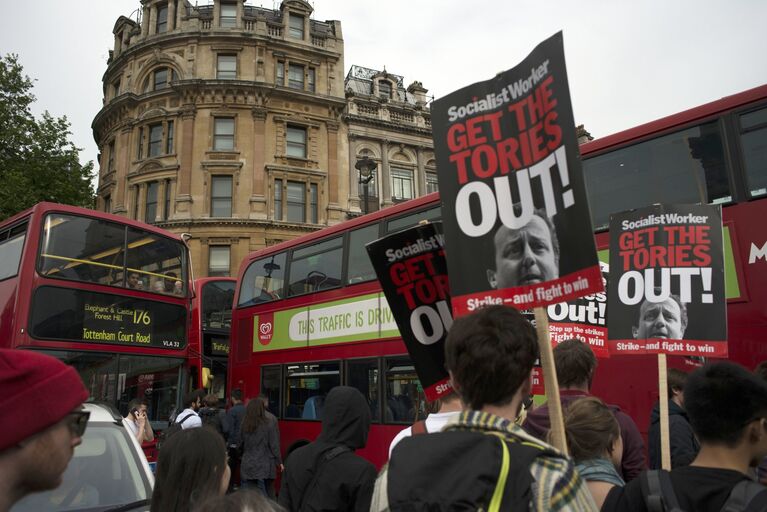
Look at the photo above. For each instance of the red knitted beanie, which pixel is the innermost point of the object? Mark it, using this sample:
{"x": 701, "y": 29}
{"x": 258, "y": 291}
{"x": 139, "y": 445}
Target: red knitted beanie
{"x": 36, "y": 391}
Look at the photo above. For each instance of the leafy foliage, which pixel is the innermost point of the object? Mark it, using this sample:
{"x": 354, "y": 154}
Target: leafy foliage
{"x": 38, "y": 162}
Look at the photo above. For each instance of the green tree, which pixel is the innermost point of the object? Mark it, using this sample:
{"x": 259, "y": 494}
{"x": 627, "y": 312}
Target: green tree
{"x": 38, "y": 162}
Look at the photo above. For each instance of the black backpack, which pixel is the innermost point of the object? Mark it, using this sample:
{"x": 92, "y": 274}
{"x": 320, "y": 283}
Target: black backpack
{"x": 212, "y": 417}
{"x": 461, "y": 471}
{"x": 173, "y": 428}
{"x": 659, "y": 495}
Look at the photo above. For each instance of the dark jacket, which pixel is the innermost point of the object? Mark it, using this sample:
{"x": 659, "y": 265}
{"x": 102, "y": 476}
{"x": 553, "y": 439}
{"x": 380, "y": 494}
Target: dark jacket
{"x": 343, "y": 482}
{"x": 261, "y": 451}
{"x": 684, "y": 444}
{"x": 633, "y": 462}
{"x": 233, "y": 423}
{"x": 215, "y": 418}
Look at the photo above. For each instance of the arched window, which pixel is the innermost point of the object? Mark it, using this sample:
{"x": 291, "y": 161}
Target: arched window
{"x": 160, "y": 78}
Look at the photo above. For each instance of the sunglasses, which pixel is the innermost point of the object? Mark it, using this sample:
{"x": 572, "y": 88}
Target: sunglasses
{"x": 78, "y": 421}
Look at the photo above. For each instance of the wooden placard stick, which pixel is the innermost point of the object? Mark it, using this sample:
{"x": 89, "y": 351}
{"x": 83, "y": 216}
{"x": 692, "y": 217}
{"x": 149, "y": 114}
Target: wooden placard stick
{"x": 557, "y": 429}
{"x": 665, "y": 443}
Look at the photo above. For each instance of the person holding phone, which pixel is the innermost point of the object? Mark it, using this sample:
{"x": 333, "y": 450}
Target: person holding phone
{"x": 138, "y": 422}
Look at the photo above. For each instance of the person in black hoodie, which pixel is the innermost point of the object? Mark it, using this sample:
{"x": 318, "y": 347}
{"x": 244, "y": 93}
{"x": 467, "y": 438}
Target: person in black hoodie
{"x": 327, "y": 474}
{"x": 684, "y": 444}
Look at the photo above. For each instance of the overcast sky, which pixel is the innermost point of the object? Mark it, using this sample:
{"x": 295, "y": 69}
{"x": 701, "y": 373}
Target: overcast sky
{"x": 628, "y": 62}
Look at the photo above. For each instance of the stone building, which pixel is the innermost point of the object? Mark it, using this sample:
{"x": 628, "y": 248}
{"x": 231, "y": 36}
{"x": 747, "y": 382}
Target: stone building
{"x": 225, "y": 121}
{"x": 390, "y": 125}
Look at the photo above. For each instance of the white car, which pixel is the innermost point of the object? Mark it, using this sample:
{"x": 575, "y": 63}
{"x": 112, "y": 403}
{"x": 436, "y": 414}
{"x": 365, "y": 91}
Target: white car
{"x": 108, "y": 471}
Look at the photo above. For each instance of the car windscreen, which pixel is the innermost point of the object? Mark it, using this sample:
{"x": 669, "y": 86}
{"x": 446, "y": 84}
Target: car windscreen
{"x": 105, "y": 472}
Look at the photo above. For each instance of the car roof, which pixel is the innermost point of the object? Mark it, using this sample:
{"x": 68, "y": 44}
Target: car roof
{"x": 102, "y": 413}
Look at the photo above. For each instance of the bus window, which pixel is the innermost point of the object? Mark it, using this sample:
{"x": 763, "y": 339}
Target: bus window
{"x": 270, "y": 387}
{"x": 82, "y": 249}
{"x": 307, "y": 385}
{"x": 408, "y": 221}
{"x": 158, "y": 261}
{"x": 217, "y": 297}
{"x": 316, "y": 267}
{"x": 360, "y": 267}
{"x": 683, "y": 167}
{"x": 363, "y": 375}
{"x": 263, "y": 281}
{"x": 754, "y": 142}
{"x": 405, "y": 401}
{"x": 11, "y": 244}
{"x": 157, "y": 379}
{"x": 119, "y": 378}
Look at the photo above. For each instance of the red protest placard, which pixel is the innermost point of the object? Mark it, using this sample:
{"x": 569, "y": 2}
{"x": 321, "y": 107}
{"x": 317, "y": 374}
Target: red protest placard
{"x": 517, "y": 223}
{"x": 667, "y": 282}
{"x": 411, "y": 268}
{"x": 584, "y": 318}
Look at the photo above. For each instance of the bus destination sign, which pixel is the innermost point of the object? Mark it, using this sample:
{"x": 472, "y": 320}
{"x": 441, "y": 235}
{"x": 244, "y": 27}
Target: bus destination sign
{"x": 82, "y": 316}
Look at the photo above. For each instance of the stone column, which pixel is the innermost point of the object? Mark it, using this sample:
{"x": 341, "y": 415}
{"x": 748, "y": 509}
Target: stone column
{"x": 335, "y": 213}
{"x": 180, "y": 11}
{"x": 141, "y": 201}
{"x": 258, "y": 204}
{"x": 184, "y": 197}
{"x": 333, "y": 175}
{"x": 354, "y": 176}
{"x": 171, "y": 15}
{"x": 145, "y": 22}
{"x": 384, "y": 175}
{"x": 161, "y": 186}
{"x": 421, "y": 172}
{"x": 123, "y": 147}
{"x": 153, "y": 20}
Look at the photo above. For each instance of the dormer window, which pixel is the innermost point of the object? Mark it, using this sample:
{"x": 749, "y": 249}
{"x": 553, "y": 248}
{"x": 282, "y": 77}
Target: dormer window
{"x": 228, "y": 16}
{"x": 162, "y": 18}
{"x": 296, "y": 26}
{"x": 384, "y": 90}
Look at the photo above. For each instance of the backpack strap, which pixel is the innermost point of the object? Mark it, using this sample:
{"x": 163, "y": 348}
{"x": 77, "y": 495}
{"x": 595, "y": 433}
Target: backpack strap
{"x": 318, "y": 466}
{"x": 746, "y": 495}
{"x": 185, "y": 418}
{"x": 503, "y": 475}
{"x": 418, "y": 428}
{"x": 658, "y": 491}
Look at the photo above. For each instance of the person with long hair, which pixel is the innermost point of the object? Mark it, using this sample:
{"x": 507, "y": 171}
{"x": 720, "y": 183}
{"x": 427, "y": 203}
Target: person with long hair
{"x": 191, "y": 468}
{"x": 240, "y": 501}
{"x": 260, "y": 447}
{"x": 594, "y": 440}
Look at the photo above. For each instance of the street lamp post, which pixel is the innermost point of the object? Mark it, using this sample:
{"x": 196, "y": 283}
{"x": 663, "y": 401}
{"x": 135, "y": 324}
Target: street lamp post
{"x": 365, "y": 166}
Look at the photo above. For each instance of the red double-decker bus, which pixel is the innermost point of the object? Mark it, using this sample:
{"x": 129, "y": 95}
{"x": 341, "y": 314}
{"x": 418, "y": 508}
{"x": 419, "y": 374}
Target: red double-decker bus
{"x": 105, "y": 294}
{"x": 309, "y": 313}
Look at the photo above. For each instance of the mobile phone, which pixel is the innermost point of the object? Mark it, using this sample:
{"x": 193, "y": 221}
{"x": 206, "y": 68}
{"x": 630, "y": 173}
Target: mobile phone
{"x": 134, "y": 412}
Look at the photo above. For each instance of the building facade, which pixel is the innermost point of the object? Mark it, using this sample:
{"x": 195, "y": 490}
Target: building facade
{"x": 225, "y": 121}
{"x": 390, "y": 125}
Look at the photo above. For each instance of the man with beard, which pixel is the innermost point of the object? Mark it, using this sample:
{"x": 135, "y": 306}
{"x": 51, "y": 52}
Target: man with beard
{"x": 43, "y": 422}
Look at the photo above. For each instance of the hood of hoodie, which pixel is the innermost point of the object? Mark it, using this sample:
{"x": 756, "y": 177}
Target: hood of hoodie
{"x": 673, "y": 409}
{"x": 345, "y": 418}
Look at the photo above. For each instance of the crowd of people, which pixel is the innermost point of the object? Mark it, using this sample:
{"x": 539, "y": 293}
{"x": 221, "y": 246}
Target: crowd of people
{"x": 473, "y": 451}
